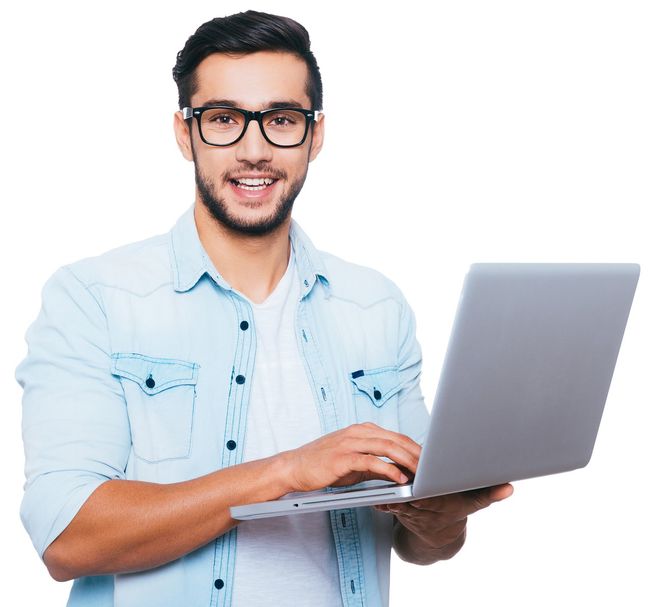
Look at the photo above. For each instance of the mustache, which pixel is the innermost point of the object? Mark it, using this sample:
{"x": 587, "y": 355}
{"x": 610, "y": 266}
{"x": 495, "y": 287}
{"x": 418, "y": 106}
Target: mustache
{"x": 267, "y": 170}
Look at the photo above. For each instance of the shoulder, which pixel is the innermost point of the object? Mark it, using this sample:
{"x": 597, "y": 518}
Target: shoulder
{"x": 139, "y": 266}
{"x": 358, "y": 283}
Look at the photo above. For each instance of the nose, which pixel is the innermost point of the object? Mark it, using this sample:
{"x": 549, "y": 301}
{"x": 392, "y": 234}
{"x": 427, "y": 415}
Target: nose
{"x": 252, "y": 146}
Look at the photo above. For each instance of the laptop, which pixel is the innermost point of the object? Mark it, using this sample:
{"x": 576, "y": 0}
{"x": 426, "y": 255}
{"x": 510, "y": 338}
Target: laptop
{"x": 522, "y": 390}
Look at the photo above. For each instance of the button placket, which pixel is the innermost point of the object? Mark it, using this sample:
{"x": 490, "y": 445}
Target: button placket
{"x": 343, "y": 522}
{"x": 225, "y": 546}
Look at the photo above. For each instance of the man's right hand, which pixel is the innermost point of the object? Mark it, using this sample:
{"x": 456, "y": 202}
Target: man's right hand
{"x": 350, "y": 456}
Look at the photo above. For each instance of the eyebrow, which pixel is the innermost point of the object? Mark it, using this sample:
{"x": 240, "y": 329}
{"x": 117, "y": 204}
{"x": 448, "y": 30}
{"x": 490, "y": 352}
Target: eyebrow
{"x": 268, "y": 105}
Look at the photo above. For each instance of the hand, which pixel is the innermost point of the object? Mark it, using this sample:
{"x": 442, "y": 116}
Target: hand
{"x": 441, "y": 521}
{"x": 350, "y": 456}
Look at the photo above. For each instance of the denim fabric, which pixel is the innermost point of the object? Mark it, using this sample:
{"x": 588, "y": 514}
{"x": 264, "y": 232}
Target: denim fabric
{"x": 139, "y": 367}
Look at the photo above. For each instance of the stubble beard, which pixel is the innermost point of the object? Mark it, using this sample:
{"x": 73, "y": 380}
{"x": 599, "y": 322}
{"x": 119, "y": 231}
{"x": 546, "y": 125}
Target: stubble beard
{"x": 218, "y": 208}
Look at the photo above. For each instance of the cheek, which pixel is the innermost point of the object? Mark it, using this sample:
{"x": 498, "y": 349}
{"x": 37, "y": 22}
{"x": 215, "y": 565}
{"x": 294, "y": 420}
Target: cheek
{"x": 213, "y": 167}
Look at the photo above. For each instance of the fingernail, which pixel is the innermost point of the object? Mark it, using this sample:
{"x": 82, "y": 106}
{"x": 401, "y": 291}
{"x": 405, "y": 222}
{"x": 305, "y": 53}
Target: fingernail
{"x": 403, "y": 478}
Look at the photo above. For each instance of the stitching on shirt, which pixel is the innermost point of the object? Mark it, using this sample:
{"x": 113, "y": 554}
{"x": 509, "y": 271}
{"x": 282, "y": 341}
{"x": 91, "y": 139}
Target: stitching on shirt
{"x": 356, "y": 543}
{"x": 339, "y": 553}
{"x": 87, "y": 288}
{"x": 156, "y": 360}
{"x": 374, "y": 303}
{"x": 178, "y": 279}
{"x": 118, "y": 288}
{"x": 303, "y": 312}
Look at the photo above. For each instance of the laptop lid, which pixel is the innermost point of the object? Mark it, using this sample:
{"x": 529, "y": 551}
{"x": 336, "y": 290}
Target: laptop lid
{"x": 526, "y": 375}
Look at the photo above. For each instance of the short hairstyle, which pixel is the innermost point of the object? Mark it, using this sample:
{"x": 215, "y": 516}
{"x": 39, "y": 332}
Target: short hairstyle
{"x": 244, "y": 33}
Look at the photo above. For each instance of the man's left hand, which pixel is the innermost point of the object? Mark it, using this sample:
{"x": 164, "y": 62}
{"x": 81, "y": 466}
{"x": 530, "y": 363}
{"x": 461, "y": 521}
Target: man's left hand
{"x": 436, "y": 526}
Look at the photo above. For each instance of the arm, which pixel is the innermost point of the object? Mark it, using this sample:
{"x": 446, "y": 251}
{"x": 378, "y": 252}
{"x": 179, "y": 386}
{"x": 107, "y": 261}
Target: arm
{"x": 131, "y": 525}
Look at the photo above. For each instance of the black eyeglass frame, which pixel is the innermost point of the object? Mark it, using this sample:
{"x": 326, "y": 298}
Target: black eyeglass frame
{"x": 197, "y": 112}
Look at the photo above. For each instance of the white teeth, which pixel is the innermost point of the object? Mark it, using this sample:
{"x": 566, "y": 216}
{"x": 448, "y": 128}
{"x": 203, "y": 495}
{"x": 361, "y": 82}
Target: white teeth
{"x": 254, "y": 182}
{"x": 251, "y": 187}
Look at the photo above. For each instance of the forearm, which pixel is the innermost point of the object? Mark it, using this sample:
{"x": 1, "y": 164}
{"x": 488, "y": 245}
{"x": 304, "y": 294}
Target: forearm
{"x": 131, "y": 525}
{"x": 414, "y": 549}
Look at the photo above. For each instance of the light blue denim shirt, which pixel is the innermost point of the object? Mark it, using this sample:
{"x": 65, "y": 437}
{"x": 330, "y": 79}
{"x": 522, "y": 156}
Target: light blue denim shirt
{"x": 139, "y": 367}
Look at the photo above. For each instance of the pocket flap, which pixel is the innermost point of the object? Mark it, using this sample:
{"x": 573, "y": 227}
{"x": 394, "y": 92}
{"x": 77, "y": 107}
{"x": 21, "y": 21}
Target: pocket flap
{"x": 153, "y": 374}
{"x": 379, "y": 384}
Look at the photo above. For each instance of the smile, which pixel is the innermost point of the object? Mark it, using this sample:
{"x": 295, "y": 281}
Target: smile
{"x": 253, "y": 184}
{"x": 253, "y": 187}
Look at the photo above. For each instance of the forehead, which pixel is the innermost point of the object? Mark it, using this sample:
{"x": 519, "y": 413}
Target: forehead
{"x": 252, "y": 79}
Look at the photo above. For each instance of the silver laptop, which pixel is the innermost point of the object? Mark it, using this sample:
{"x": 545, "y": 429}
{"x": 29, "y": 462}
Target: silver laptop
{"x": 522, "y": 389}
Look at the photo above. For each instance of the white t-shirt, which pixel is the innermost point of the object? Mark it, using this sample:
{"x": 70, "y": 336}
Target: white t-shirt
{"x": 283, "y": 560}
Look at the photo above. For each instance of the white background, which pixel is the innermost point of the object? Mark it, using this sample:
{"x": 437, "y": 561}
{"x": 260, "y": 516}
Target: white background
{"x": 456, "y": 132}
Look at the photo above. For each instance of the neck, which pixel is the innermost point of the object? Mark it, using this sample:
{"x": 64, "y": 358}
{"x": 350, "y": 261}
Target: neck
{"x": 253, "y": 265}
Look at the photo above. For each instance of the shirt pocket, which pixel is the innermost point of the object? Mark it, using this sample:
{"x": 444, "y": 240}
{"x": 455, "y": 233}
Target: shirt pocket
{"x": 376, "y": 386}
{"x": 160, "y": 394}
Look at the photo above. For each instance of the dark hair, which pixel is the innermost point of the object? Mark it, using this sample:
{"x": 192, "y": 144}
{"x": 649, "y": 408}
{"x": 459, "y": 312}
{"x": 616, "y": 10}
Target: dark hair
{"x": 247, "y": 32}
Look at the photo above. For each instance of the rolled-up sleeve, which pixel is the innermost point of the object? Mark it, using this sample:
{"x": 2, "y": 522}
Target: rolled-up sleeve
{"x": 413, "y": 414}
{"x": 75, "y": 426}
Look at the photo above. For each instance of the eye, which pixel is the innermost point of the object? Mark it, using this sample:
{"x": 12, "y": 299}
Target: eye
{"x": 220, "y": 118}
{"x": 284, "y": 119}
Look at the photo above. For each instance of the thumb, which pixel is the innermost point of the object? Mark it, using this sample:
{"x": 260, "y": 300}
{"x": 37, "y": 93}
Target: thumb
{"x": 501, "y": 492}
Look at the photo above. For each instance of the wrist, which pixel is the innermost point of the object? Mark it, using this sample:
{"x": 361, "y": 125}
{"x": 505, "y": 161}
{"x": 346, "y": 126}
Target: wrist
{"x": 283, "y": 472}
{"x": 420, "y": 550}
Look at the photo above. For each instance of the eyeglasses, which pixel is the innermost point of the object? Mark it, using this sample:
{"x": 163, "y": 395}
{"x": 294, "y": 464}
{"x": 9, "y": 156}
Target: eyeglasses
{"x": 222, "y": 125}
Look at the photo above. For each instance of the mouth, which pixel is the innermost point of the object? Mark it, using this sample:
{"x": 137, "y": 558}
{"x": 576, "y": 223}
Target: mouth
{"x": 253, "y": 185}
{"x": 249, "y": 187}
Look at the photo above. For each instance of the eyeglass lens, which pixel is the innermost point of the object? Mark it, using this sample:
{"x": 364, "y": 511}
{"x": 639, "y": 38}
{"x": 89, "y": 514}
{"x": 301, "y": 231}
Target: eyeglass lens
{"x": 222, "y": 126}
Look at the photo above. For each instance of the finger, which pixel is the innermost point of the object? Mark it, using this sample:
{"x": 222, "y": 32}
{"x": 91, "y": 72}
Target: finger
{"x": 403, "y": 509}
{"x": 373, "y": 430}
{"x": 464, "y": 503}
{"x": 406, "y": 441}
{"x": 406, "y": 471}
{"x": 382, "y": 447}
{"x": 379, "y": 469}
{"x": 482, "y": 498}
{"x": 501, "y": 492}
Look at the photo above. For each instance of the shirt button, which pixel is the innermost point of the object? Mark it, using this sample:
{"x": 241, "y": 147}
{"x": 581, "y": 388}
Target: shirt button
{"x": 240, "y": 379}
{"x": 150, "y": 382}
{"x": 218, "y": 584}
{"x": 231, "y": 444}
{"x": 243, "y": 325}
{"x": 377, "y": 394}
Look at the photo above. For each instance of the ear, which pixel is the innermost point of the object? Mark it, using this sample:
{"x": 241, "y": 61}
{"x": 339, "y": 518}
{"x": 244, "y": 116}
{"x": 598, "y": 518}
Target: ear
{"x": 183, "y": 136}
{"x": 318, "y": 134}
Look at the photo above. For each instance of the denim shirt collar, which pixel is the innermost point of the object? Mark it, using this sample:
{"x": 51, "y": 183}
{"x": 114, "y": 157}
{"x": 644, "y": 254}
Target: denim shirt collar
{"x": 189, "y": 260}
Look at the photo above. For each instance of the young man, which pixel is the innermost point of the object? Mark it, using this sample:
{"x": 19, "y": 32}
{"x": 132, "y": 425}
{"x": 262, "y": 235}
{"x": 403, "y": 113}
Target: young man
{"x": 219, "y": 364}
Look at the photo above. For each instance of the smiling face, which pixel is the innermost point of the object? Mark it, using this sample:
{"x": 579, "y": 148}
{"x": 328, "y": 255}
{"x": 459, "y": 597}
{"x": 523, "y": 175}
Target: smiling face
{"x": 255, "y": 81}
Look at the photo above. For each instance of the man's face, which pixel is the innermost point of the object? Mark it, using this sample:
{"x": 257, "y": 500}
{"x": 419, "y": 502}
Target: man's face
{"x": 251, "y": 82}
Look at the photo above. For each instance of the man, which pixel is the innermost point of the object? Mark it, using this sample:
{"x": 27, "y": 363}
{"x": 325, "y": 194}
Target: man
{"x": 170, "y": 379}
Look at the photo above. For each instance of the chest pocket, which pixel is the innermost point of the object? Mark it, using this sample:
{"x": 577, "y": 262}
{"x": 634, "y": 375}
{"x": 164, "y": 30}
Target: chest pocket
{"x": 160, "y": 394}
{"x": 377, "y": 386}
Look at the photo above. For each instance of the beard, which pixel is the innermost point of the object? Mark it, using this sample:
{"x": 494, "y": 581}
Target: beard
{"x": 218, "y": 209}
